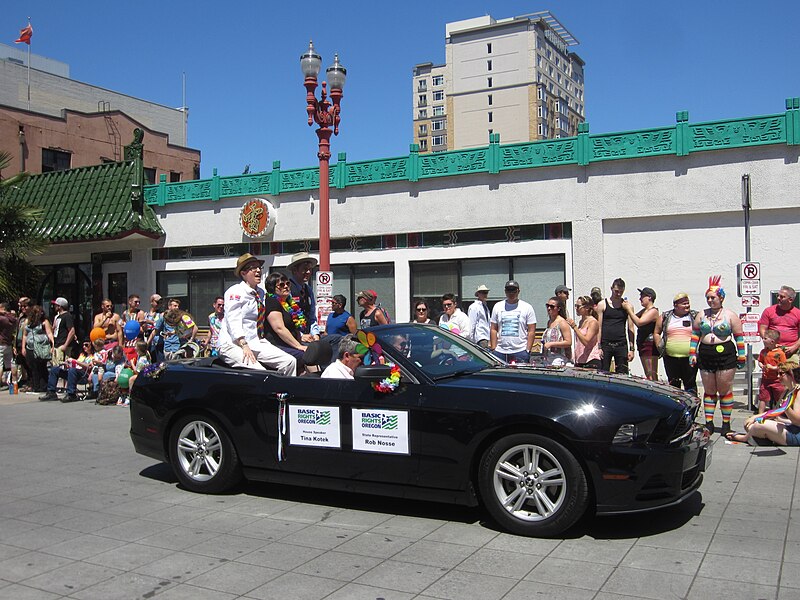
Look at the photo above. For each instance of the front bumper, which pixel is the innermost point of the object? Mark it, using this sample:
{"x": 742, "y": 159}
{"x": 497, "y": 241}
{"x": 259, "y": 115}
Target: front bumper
{"x": 645, "y": 477}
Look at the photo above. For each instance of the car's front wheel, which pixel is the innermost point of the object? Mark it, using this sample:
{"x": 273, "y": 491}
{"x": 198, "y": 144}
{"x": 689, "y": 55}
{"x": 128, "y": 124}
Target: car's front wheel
{"x": 532, "y": 485}
{"x": 202, "y": 455}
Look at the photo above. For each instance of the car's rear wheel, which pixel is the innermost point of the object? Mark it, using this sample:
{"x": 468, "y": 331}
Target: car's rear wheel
{"x": 202, "y": 455}
{"x": 532, "y": 485}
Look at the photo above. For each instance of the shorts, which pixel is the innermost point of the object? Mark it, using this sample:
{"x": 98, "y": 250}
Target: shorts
{"x": 792, "y": 435}
{"x": 647, "y": 349}
{"x": 770, "y": 391}
{"x": 716, "y": 357}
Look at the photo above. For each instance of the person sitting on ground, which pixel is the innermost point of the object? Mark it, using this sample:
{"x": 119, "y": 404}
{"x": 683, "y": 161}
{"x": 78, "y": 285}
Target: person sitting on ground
{"x": 780, "y": 426}
{"x": 347, "y": 361}
{"x": 241, "y": 337}
{"x": 176, "y": 327}
{"x": 115, "y": 363}
{"x": 142, "y": 360}
{"x": 770, "y": 358}
{"x": 75, "y": 371}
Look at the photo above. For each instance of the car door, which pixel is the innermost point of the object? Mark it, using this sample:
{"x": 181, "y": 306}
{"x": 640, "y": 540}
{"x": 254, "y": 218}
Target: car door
{"x": 345, "y": 429}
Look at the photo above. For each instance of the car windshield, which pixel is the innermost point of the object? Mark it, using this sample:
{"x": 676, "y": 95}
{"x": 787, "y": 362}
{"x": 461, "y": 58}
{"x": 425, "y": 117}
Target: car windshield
{"x": 437, "y": 352}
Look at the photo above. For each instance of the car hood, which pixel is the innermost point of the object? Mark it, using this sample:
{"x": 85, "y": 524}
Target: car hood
{"x": 575, "y": 382}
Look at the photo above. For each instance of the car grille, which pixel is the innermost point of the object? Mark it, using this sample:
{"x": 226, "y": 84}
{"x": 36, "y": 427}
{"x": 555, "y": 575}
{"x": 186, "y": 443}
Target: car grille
{"x": 672, "y": 428}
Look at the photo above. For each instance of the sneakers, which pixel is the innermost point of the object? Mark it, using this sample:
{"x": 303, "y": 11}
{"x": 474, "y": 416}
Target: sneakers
{"x": 70, "y": 398}
{"x": 726, "y": 428}
{"x": 48, "y": 396}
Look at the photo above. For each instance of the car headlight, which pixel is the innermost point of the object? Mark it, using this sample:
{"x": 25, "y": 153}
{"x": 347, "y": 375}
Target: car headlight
{"x": 625, "y": 434}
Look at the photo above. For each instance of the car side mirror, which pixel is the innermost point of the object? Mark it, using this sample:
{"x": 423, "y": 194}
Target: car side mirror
{"x": 372, "y": 372}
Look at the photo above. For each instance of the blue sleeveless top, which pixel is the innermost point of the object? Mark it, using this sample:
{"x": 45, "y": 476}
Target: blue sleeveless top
{"x": 337, "y": 324}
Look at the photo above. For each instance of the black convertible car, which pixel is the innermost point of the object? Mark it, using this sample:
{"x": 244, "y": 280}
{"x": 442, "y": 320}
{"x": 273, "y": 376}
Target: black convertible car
{"x": 536, "y": 447}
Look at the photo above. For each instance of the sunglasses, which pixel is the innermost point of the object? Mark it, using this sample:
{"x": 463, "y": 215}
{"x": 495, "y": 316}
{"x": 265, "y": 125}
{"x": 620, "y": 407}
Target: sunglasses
{"x": 447, "y": 304}
{"x": 579, "y": 305}
{"x": 422, "y": 310}
{"x": 512, "y": 289}
{"x": 553, "y": 306}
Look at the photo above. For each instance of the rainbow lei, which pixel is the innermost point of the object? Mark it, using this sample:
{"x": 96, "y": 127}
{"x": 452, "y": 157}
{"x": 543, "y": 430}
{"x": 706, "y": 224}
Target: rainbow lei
{"x": 391, "y": 383}
{"x": 294, "y": 310}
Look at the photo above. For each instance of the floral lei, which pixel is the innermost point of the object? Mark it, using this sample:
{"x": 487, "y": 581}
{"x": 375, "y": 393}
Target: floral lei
{"x": 294, "y": 310}
{"x": 373, "y": 353}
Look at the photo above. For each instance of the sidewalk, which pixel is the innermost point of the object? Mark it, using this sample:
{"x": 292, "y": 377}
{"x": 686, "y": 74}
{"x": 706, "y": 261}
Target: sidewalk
{"x": 83, "y": 517}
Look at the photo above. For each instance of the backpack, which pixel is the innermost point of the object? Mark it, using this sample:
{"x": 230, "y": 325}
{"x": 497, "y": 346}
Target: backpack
{"x": 109, "y": 393}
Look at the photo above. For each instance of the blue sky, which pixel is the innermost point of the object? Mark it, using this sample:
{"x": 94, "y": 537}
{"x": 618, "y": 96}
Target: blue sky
{"x": 645, "y": 60}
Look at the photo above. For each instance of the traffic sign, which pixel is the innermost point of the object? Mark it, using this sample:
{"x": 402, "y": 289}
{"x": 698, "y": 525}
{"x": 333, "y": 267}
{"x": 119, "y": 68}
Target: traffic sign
{"x": 324, "y": 287}
{"x": 751, "y": 301}
{"x": 750, "y": 327}
{"x": 748, "y": 278}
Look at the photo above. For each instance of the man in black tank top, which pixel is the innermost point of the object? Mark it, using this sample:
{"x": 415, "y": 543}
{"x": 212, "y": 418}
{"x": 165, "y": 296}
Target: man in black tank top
{"x": 616, "y": 330}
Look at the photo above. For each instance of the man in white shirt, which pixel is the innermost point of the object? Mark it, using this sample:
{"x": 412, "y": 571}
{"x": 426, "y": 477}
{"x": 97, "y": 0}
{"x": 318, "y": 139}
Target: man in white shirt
{"x": 513, "y": 328}
{"x": 241, "y": 337}
{"x": 479, "y": 318}
{"x": 453, "y": 317}
{"x": 345, "y": 365}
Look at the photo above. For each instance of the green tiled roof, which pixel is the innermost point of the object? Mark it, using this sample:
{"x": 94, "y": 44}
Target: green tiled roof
{"x": 86, "y": 203}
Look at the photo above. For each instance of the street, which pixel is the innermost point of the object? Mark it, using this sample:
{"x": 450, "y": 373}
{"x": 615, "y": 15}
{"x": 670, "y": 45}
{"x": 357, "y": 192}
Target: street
{"x": 84, "y": 517}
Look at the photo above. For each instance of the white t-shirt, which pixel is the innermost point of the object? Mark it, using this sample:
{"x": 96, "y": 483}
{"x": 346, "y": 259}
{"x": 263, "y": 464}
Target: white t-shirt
{"x": 512, "y": 322}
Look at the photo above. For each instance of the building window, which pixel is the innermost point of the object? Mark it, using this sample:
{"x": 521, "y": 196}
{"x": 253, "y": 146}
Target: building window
{"x": 438, "y": 80}
{"x": 438, "y": 111}
{"x": 423, "y": 114}
{"x": 423, "y": 129}
{"x": 423, "y": 145}
{"x": 490, "y": 99}
{"x": 422, "y": 100}
{"x": 438, "y": 140}
{"x": 437, "y": 126}
{"x": 488, "y": 48}
{"x": 488, "y": 65}
{"x": 490, "y": 116}
{"x": 540, "y": 92}
{"x": 174, "y": 177}
{"x": 422, "y": 85}
{"x": 438, "y": 96}
{"x": 488, "y": 82}
{"x": 55, "y": 160}
{"x": 150, "y": 175}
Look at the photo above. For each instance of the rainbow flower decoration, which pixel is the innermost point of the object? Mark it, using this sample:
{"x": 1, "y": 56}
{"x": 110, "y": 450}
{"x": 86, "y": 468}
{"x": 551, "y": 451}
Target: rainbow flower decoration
{"x": 391, "y": 383}
{"x": 294, "y": 310}
{"x": 368, "y": 346}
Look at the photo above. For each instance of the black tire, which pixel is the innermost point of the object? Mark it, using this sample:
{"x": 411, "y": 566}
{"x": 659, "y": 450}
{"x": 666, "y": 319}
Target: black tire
{"x": 202, "y": 455}
{"x": 519, "y": 499}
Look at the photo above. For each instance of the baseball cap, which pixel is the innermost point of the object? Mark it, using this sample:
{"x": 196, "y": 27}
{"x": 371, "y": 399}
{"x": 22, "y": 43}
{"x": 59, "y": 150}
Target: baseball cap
{"x": 679, "y": 296}
{"x": 511, "y": 283}
{"x": 62, "y": 302}
{"x": 562, "y": 288}
{"x": 647, "y": 291}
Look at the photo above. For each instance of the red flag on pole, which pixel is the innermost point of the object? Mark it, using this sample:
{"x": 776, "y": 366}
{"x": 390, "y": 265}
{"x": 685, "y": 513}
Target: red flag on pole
{"x": 25, "y": 35}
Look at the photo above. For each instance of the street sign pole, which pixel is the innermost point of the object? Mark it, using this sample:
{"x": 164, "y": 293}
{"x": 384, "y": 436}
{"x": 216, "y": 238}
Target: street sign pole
{"x": 749, "y": 355}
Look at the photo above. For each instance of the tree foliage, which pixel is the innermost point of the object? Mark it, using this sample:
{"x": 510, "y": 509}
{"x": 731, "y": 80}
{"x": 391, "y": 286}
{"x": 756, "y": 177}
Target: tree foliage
{"x": 18, "y": 276}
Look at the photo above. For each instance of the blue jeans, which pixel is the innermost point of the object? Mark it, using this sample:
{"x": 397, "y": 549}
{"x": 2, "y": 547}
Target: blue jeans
{"x": 523, "y": 356}
{"x": 72, "y": 375}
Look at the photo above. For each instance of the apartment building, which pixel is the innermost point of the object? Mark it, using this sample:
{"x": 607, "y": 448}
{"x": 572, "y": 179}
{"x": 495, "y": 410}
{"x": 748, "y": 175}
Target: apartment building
{"x": 517, "y": 77}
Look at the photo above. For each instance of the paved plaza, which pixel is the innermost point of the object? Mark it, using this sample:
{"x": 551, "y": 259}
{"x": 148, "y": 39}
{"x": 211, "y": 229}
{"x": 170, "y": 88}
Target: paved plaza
{"x": 84, "y": 517}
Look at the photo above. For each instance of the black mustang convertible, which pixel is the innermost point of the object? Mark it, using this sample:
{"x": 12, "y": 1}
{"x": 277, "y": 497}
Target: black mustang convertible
{"x": 437, "y": 418}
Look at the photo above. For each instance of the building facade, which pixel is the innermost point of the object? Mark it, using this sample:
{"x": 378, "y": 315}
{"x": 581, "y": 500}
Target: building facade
{"x": 62, "y": 123}
{"x": 660, "y": 207}
{"x": 515, "y": 76}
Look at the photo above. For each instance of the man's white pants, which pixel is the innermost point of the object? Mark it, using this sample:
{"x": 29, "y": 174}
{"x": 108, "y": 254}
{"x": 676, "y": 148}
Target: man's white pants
{"x": 266, "y": 354}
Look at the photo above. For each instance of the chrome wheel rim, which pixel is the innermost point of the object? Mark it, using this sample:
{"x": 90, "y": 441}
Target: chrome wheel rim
{"x": 199, "y": 451}
{"x": 529, "y": 482}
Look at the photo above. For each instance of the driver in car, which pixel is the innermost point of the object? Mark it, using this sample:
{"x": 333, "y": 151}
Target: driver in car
{"x": 347, "y": 361}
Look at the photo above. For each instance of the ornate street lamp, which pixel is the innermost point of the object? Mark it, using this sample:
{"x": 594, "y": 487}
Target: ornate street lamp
{"x": 324, "y": 113}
